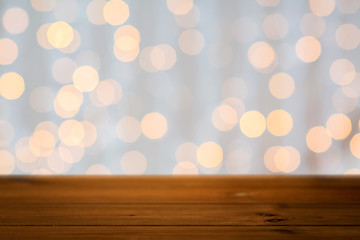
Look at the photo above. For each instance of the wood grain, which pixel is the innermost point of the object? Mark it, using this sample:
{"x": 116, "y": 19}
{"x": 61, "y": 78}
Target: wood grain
{"x": 169, "y": 207}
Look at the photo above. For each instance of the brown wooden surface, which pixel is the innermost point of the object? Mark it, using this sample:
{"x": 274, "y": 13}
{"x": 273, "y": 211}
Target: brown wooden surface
{"x": 168, "y": 207}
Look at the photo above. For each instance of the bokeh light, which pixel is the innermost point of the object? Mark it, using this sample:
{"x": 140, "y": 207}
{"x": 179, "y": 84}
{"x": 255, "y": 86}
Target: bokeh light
{"x": 133, "y": 163}
{"x": 179, "y": 7}
{"x": 261, "y": 54}
{"x": 15, "y": 20}
{"x": 154, "y": 125}
{"x": 128, "y": 129}
{"x": 322, "y": 7}
{"x": 308, "y": 49}
{"x": 116, "y": 12}
{"x": 209, "y": 154}
{"x": 281, "y": 85}
{"x": 252, "y": 124}
{"x": 12, "y": 85}
{"x": 85, "y": 78}
{"x": 60, "y": 34}
{"x": 8, "y": 51}
{"x": 279, "y": 122}
{"x": 339, "y": 126}
{"x": 318, "y": 139}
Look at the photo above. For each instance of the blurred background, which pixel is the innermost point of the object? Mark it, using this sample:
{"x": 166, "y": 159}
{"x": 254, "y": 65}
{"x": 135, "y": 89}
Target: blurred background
{"x": 179, "y": 87}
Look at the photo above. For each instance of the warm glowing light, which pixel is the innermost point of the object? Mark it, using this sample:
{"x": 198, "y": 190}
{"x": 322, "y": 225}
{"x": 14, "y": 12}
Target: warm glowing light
{"x": 43, "y": 5}
{"x": 261, "y": 54}
{"x": 342, "y": 71}
{"x": 71, "y": 154}
{"x": 108, "y": 92}
{"x": 252, "y": 124}
{"x": 347, "y": 36}
{"x": 224, "y": 117}
{"x": 8, "y": 51}
{"x": 322, "y": 7}
{"x": 282, "y": 159}
{"x": 42, "y": 143}
{"x": 41, "y": 36}
{"x": 154, "y": 125}
{"x": 74, "y": 45}
{"x": 68, "y": 101}
{"x": 15, "y": 20}
{"x": 116, "y": 12}
{"x": 191, "y": 42}
{"x": 85, "y": 78}
{"x": 179, "y": 7}
{"x": 128, "y": 129}
{"x": 279, "y": 122}
{"x": 281, "y": 85}
{"x": 133, "y": 163}
{"x": 60, "y": 34}
{"x": 94, "y": 12}
{"x": 355, "y": 145}
{"x": 209, "y": 154}
{"x": 185, "y": 168}
{"x": 318, "y": 139}
{"x": 90, "y": 134}
{"x": 97, "y": 169}
{"x": 269, "y": 158}
{"x": 275, "y": 26}
{"x": 41, "y": 99}
{"x": 339, "y": 126}
{"x": 7, "y": 163}
{"x": 308, "y": 49}
{"x": 163, "y": 57}
{"x": 23, "y": 152}
{"x": 71, "y": 132}
{"x": 11, "y": 85}
{"x": 312, "y": 25}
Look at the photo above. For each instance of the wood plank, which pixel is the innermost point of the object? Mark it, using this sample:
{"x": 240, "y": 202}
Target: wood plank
{"x": 178, "y": 232}
{"x": 181, "y": 189}
{"x": 179, "y": 214}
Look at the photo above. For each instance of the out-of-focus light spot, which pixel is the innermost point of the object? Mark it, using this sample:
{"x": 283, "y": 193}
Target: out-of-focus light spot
{"x": 145, "y": 60}
{"x": 49, "y": 127}
{"x": 126, "y": 47}
{"x": 90, "y": 134}
{"x": 281, "y": 85}
{"x": 68, "y": 101}
{"x": 23, "y": 152}
{"x": 41, "y": 36}
{"x": 261, "y": 54}
{"x": 279, "y": 122}
{"x": 94, "y": 12}
{"x": 7, "y": 163}
{"x": 252, "y": 124}
{"x": 186, "y": 152}
{"x": 237, "y": 162}
{"x": 127, "y": 31}
{"x": 275, "y": 26}
{"x": 318, "y": 139}
{"x": 185, "y": 168}
{"x": 268, "y": 3}
{"x": 42, "y": 143}
{"x": 43, "y": 5}
{"x": 224, "y": 117}
{"x": 63, "y": 69}
{"x": 236, "y": 104}
{"x": 74, "y": 45}
{"x": 98, "y": 169}
{"x": 355, "y": 145}
{"x": 209, "y": 154}
{"x": 108, "y": 92}
{"x": 85, "y": 78}
{"x": 116, "y": 12}
{"x": 163, "y": 57}
{"x": 71, "y": 132}
{"x": 234, "y": 87}
{"x": 126, "y": 56}
{"x": 154, "y": 125}
{"x": 191, "y": 42}
{"x": 353, "y": 171}
{"x": 126, "y": 43}
{"x": 312, "y": 25}
{"x": 308, "y": 49}
{"x": 66, "y": 10}
{"x": 339, "y": 126}
{"x": 6, "y": 133}
{"x": 11, "y": 85}
{"x": 15, "y": 20}
{"x": 8, "y": 51}
{"x": 220, "y": 54}
{"x": 347, "y": 36}
{"x": 245, "y": 30}
{"x": 179, "y": 7}
{"x": 322, "y": 7}
{"x": 71, "y": 154}
{"x": 188, "y": 20}
{"x": 343, "y": 103}
{"x": 342, "y": 71}
{"x": 128, "y": 129}
{"x": 41, "y": 99}
{"x": 60, "y": 34}
{"x": 348, "y": 6}
{"x": 56, "y": 164}
{"x": 282, "y": 159}
{"x": 133, "y": 163}
{"x": 269, "y": 158}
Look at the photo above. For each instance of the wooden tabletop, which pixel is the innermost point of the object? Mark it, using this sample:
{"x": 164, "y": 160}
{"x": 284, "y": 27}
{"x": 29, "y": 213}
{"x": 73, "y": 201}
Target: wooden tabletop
{"x": 179, "y": 207}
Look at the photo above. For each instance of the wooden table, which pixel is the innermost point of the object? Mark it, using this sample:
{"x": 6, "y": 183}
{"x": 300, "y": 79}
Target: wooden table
{"x": 169, "y": 207}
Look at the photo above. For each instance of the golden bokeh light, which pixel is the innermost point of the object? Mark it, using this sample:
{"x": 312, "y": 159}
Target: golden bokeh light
{"x": 269, "y": 158}
{"x": 8, "y": 51}
{"x": 116, "y": 12}
{"x": 133, "y": 163}
{"x": 261, "y": 54}
{"x": 339, "y": 126}
{"x": 60, "y": 34}
{"x": 209, "y": 154}
{"x": 43, "y": 5}
{"x": 318, "y": 139}
{"x": 185, "y": 168}
{"x": 15, "y": 20}
{"x": 275, "y": 26}
{"x": 68, "y": 101}
{"x": 252, "y": 124}
{"x": 224, "y": 117}
{"x": 347, "y": 36}
{"x": 191, "y": 42}
{"x": 85, "y": 78}
{"x": 282, "y": 159}
{"x": 308, "y": 49}
{"x": 179, "y": 7}
{"x": 41, "y": 36}
{"x": 355, "y": 145}
{"x": 7, "y": 162}
{"x": 23, "y": 151}
{"x": 342, "y": 71}
{"x": 12, "y": 85}
{"x": 163, "y": 57}
{"x": 94, "y": 12}
{"x": 74, "y": 44}
{"x": 49, "y": 127}
{"x": 108, "y": 92}
{"x": 281, "y": 85}
{"x": 128, "y": 129}
{"x": 90, "y": 133}
{"x": 71, "y": 154}
{"x": 279, "y": 122}
{"x": 154, "y": 125}
{"x": 42, "y": 143}
{"x": 126, "y": 43}
{"x": 322, "y": 7}
{"x": 71, "y": 132}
